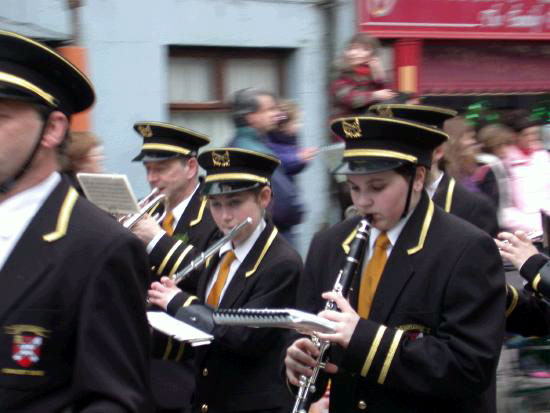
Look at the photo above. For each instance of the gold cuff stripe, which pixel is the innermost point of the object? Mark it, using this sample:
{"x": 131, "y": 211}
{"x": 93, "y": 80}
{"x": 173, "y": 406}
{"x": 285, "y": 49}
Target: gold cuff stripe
{"x": 449, "y": 197}
{"x": 25, "y": 84}
{"x": 381, "y": 153}
{"x": 424, "y": 231}
{"x": 180, "y": 351}
{"x": 201, "y": 211}
{"x": 190, "y": 300}
{"x": 236, "y": 176}
{"x": 22, "y": 372}
{"x": 535, "y": 283}
{"x": 165, "y": 147}
{"x": 515, "y": 298}
{"x": 63, "y": 217}
{"x": 167, "y": 257}
{"x": 179, "y": 260}
{"x": 372, "y": 350}
{"x": 389, "y": 356}
{"x": 168, "y": 349}
{"x": 264, "y": 251}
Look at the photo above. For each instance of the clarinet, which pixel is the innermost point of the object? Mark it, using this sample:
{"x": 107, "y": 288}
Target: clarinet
{"x": 341, "y": 286}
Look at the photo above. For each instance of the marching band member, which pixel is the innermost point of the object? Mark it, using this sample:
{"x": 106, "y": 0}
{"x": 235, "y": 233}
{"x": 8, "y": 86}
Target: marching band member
{"x": 169, "y": 155}
{"x": 423, "y": 327}
{"x": 73, "y": 331}
{"x": 445, "y": 191}
{"x": 240, "y": 370}
{"x": 527, "y": 310}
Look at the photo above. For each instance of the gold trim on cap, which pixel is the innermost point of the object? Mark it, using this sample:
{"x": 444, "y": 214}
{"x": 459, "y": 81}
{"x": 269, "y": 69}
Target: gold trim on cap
{"x": 261, "y": 154}
{"x": 352, "y": 130}
{"x": 50, "y": 51}
{"x": 221, "y": 160}
{"x": 165, "y": 147}
{"x": 381, "y": 153}
{"x": 236, "y": 176}
{"x": 25, "y": 84}
{"x": 145, "y": 130}
{"x": 384, "y": 106}
{"x": 394, "y": 120}
{"x": 174, "y": 127}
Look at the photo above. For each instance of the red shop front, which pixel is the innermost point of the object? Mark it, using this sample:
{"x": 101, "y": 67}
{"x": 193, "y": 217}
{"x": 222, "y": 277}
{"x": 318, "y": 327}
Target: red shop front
{"x": 449, "y": 50}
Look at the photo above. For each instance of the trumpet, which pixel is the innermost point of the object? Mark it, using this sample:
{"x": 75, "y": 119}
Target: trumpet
{"x": 146, "y": 205}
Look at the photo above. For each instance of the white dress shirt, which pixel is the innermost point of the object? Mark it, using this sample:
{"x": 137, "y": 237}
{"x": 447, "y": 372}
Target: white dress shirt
{"x": 178, "y": 213}
{"x": 17, "y": 212}
{"x": 241, "y": 251}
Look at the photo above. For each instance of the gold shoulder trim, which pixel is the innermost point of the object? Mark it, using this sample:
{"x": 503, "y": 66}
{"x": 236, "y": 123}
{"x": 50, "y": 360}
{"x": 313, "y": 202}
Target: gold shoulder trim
{"x": 449, "y": 197}
{"x": 347, "y": 241}
{"x": 167, "y": 257}
{"x": 536, "y": 281}
{"x": 264, "y": 251}
{"x": 63, "y": 217}
{"x": 372, "y": 350}
{"x": 389, "y": 356}
{"x": 515, "y": 298}
{"x": 179, "y": 260}
{"x": 424, "y": 230}
{"x": 165, "y": 147}
{"x": 25, "y": 84}
{"x": 201, "y": 211}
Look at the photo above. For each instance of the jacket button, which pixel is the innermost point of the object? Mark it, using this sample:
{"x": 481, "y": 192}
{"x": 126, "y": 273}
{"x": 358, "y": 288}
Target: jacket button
{"x": 205, "y": 372}
{"x": 204, "y": 408}
{"x": 362, "y": 405}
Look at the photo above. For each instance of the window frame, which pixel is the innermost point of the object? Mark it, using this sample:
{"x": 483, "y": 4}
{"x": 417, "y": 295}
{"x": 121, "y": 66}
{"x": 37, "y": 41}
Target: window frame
{"x": 220, "y": 56}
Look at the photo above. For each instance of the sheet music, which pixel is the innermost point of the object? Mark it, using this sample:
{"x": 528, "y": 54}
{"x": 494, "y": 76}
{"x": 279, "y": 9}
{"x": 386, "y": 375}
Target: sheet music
{"x": 110, "y": 192}
{"x": 282, "y": 318}
{"x": 181, "y": 331}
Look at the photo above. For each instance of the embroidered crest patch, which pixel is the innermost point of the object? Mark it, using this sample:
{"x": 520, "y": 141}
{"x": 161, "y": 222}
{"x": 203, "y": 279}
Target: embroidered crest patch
{"x": 26, "y": 349}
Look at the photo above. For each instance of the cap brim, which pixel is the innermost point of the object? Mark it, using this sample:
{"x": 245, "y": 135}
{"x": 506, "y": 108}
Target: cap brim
{"x": 157, "y": 157}
{"x": 367, "y": 166}
{"x": 228, "y": 187}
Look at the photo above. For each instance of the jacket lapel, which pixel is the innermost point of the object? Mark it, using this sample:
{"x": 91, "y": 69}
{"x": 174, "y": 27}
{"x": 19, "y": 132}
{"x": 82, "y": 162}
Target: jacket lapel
{"x": 35, "y": 252}
{"x": 399, "y": 267}
{"x": 443, "y": 196}
{"x": 247, "y": 270}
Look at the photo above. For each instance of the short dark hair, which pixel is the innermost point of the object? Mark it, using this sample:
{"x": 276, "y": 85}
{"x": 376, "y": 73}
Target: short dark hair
{"x": 245, "y": 101}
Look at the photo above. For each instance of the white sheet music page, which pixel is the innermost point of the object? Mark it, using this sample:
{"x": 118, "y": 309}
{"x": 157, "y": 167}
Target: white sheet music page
{"x": 110, "y": 192}
{"x": 181, "y": 331}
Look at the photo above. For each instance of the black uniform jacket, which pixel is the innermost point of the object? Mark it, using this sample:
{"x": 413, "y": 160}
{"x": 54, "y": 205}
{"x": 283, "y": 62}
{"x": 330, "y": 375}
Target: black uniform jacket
{"x": 477, "y": 209}
{"x": 433, "y": 337}
{"x": 73, "y": 331}
{"x": 241, "y": 369}
{"x": 527, "y": 312}
{"x": 194, "y": 231}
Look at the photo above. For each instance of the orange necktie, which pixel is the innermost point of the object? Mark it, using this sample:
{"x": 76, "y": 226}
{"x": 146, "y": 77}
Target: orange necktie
{"x": 216, "y": 291}
{"x": 167, "y": 223}
{"x": 372, "y": 275}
